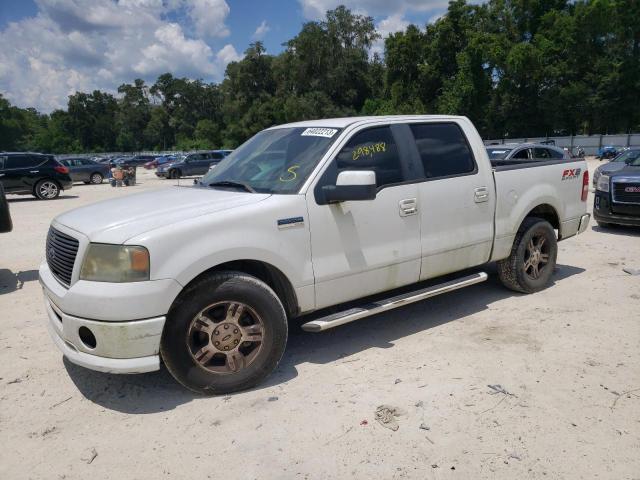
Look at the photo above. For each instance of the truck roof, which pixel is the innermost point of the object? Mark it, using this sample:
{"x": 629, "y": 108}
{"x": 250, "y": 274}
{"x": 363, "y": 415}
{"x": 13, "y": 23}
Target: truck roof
{"x": 346, "y": 121}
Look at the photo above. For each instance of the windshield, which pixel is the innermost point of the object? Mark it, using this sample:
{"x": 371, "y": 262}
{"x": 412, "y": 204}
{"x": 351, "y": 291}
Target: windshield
{"x": 630, "y": 157}
{"x": 498, "y": 153}
{"x": 274, "y": 161}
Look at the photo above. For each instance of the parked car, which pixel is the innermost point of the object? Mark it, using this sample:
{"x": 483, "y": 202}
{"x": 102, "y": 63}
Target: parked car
{"x": 606, "y": 152}
{"x": 302, "y": 217}
{"x": 617, "y": 163}
{"x": 161, "y": 160}
{"x": 617, "y": 198}
{"x": 196, "y": 163}
{"x": 137, "y": 160}
{"x": 85, "y": 170}
{"x": 511, "y": 153}
{"x": 5, "y": 216}
{"x": 33, "y": 173}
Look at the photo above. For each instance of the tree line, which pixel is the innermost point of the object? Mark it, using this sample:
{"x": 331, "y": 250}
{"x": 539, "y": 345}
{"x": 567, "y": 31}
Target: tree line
{"x": 515, "y": 67}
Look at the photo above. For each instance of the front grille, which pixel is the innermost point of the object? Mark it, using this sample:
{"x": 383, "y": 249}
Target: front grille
{"x": 61, "y": 254}
{"x": 626, "y": 192}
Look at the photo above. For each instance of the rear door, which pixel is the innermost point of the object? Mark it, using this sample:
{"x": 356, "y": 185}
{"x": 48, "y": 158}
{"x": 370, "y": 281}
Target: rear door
{"x": 456, "y": 201}
{"x": 22, "y": 172}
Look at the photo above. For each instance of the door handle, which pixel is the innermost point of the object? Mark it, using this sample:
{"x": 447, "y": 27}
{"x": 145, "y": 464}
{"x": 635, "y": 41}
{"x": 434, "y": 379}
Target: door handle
{"x": 34, "y": 171}
{"x": 408, "y": 206}
{"x": 481, "y": 194}
{"x": 1, "y": 174}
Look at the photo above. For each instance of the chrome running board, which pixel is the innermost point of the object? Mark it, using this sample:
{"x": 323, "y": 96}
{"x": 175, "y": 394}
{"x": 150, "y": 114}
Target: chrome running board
{"x": 340, "y": 318}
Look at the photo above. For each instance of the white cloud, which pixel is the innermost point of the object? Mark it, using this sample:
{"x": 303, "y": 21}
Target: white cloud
{"x": 316, "y": 9}
{"x": 392, "y": 24}
{"x": 83, "y": 45}
{"x": 261, "y": 31}
{"x": 228, "y": 54}
{"x": 209, "y": 16}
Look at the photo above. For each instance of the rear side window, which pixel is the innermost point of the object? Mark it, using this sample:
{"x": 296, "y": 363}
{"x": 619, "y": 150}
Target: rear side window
{"x": 24, "y": 161}
{"x": 217, "y": 156}
{"x": 373, "y": 149}
{"x": 443, "y": 149}
{"x": 542, "y": 154}
{"x": 555, "y": 153}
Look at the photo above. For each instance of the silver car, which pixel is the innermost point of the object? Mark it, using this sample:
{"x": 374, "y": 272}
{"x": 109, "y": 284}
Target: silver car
{"x": 513, "y": 152}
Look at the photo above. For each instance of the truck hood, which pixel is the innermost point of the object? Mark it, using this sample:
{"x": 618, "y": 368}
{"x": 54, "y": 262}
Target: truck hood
{"x": 611, "y": 167}
{"x": 628, "y": 171}
{"x": 117, "y": 220}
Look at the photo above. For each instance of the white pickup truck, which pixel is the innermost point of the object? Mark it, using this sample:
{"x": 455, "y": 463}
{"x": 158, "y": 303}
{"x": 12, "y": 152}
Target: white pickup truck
{"x": 299, "y": 218}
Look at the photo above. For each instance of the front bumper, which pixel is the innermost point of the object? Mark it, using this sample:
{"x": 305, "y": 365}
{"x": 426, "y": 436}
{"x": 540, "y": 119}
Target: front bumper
{"x": 603, "y": 211}
{"x": 125, "y": 320}
{"x": 120, "y": 347}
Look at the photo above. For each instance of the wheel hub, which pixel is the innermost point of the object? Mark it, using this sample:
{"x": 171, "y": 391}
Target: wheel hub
{"x": 226, "y": 336}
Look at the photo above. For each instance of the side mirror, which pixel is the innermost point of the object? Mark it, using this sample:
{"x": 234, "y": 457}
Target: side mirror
{"x": 352, "y": 185}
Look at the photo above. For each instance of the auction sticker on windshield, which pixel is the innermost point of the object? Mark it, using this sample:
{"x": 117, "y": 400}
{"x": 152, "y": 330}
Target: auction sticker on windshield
{"x": 319, "y": 132}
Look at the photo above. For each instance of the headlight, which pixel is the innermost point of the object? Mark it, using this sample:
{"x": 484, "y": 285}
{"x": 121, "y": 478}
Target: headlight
{"x": 603, "y": 183}
{"x": 115, "y": 263}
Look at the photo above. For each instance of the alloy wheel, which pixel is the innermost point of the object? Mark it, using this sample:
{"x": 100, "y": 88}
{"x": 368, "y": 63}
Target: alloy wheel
{"x": 225, "y": 337}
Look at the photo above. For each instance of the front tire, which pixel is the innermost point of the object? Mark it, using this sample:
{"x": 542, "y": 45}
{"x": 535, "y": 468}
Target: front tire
{"x": 175, "y": 174}
{"x": 47, "y": 189}
{"x": 530, "y": 265}
{"x": 226, "y": 333}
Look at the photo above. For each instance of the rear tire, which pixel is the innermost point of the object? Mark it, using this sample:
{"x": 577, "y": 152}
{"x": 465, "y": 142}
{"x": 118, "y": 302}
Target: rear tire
{"x": 46, "y": 189}
{"x": 530, "y": 265}
{"x": 226, "y": 333}
{"x": 96, "y": 178}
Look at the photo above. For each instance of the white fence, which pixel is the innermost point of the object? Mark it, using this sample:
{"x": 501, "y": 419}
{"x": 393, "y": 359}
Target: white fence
{"x": 590, "y": 143}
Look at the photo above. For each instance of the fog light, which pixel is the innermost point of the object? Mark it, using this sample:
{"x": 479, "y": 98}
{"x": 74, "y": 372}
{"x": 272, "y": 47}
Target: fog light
{"x": 87, "y": 337}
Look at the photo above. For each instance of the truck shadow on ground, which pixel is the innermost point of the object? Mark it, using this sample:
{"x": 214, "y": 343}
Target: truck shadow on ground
{"x": 10, "y": 281}
{"x": 158, "y": 391}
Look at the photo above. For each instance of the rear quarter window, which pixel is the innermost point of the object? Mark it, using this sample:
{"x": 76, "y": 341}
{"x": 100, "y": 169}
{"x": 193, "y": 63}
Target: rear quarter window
{"x": 443, "y": 149}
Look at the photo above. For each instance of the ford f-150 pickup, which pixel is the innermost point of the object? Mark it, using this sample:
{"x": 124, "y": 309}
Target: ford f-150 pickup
{"x": 300, "y": 218}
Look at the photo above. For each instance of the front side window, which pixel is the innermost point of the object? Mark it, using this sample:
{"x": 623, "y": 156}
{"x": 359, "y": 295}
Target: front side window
{"x": 497, "y": 153}
{"x": 443, "y": 149}
{"x": 373, "y": 149}
{"x": 274, "y": 161}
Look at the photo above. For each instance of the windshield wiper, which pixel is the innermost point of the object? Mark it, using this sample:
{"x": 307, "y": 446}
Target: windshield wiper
{"x": 229, "y": 183}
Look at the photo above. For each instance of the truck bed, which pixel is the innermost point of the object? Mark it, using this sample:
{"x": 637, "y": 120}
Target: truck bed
{"x": 552, "y": 187}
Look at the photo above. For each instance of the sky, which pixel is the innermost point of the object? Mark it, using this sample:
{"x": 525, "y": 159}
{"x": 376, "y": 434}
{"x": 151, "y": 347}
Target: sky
{"x": 52, "y": 48}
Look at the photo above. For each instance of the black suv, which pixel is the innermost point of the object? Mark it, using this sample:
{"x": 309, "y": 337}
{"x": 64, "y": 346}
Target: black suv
{"x": 33, "y": 173}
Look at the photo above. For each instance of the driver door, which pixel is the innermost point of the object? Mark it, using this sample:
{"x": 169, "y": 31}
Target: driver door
{"x": 363, "y": 247}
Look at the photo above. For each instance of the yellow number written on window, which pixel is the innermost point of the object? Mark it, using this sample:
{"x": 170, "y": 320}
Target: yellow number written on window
{"x": 368, "y": 150}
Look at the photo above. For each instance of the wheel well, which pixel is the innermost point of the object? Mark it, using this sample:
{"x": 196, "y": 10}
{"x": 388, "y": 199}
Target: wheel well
{"x": 546, "y": 212}
{"x": 269, "y": 274}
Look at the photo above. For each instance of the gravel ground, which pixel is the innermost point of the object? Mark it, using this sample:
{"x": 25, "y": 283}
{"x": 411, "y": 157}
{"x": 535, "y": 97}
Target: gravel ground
{"x": 566, "y": 360}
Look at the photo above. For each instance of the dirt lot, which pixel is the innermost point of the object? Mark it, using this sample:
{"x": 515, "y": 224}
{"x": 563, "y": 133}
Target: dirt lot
{"x": 568, "y": 358}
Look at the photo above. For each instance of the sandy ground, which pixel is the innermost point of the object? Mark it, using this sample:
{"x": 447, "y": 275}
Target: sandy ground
{"x": 568, "y": 357}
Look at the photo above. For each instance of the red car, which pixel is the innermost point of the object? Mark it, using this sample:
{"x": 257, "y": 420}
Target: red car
{"x": 159, "y": 161}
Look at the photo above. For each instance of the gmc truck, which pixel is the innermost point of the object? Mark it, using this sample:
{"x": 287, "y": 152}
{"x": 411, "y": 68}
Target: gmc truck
{"x": 357, "y": 214}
